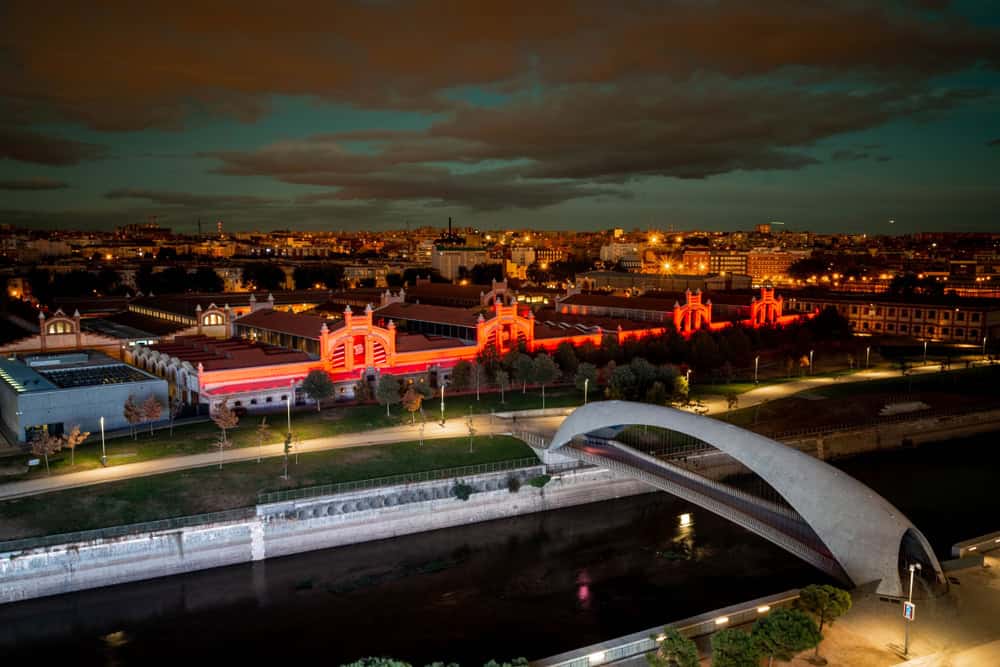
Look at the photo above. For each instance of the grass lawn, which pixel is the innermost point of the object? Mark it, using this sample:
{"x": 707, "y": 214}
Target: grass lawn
{"x": 236, "y": 485}
{"x": 200, "y": 438}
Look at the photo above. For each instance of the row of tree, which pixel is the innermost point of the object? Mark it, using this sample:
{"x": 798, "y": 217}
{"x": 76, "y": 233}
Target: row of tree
{"x": 778, "y": 636}
{"x": 45, "y": 445}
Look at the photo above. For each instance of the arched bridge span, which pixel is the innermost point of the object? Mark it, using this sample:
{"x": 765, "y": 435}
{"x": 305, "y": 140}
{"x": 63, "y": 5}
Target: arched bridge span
{"x": 838, "y": 523}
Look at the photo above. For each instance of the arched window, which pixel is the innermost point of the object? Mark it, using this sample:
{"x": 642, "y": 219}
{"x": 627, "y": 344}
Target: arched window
{"x": 212, "y": 319}
{"x": 60, "y": 327}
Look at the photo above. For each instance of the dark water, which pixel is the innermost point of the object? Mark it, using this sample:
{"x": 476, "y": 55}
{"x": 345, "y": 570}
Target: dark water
{"x": 531, "y": 586}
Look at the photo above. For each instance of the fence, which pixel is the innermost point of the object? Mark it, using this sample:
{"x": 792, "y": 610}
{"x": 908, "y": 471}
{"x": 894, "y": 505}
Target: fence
{"x": 640, "y": 643}
{"x": 114, "y": 532}
{"x": 393, "y": 480}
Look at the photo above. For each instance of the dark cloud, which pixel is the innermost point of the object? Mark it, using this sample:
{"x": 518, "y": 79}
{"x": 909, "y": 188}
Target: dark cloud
{"x": 33, "y": 184}
{"x": 189, "y": 199}
{"x": 159, "y": 63}
{"x": 27, "y": 146}
{"x": 848, "y": 154}
{"x": 580, "y": 141}
{"x": 995, "y": 142}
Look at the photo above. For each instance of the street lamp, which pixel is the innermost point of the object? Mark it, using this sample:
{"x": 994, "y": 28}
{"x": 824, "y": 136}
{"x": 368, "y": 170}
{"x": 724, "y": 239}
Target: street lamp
{"x": 810, "y": 362}
{"x": 984, "y": 347}
{"x": 104, "y": 453}
{"x": 288, "y": 404}
{"x": 756, "y": 365}
{"x": 586, "y": 383}
{"x": 442, "y": 405}
{"x": 925, "y": 353}
{"x": 868, "y": 355}
{"x": 907, "y": 619}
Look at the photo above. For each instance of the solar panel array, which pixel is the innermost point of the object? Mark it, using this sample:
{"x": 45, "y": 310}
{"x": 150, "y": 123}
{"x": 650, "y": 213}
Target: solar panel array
{"x": 89, "y": 376}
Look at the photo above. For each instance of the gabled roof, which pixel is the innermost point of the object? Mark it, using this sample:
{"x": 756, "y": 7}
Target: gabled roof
{"x": 462, "y": 317}
{"x": 302, "y": 325}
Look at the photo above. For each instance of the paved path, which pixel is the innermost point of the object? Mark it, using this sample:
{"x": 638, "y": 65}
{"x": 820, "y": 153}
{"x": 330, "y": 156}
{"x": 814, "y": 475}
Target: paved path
{"x": 454, "y": 428}
{"x": 433, "y": 430}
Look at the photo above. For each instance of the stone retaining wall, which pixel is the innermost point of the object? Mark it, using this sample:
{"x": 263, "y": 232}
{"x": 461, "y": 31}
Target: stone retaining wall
{"x": 296, "y": 526}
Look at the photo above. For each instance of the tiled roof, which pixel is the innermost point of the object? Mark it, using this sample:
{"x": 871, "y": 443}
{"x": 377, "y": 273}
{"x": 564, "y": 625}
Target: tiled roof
{"x": 608, "y": 301}
{"x": 418, "y": 342}
{"x": 216, "y": 354}
{"x": 544, "y": 316}
{"x": 425, "y": 313}
{"x": 302, "y": 325}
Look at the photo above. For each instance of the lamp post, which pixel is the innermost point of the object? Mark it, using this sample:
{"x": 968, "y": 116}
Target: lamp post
{"x": 756, "y": 365}
{"x": 442, "y": 405}
{"x": 104, "y": 453}
{"x": 288, "y": 404}
{"x": 811, "y": 362}
{"x": 586, "y": 384}
{"x": 868, "y": 355}
{"x": 984, "y": 347}
{"x": 925, "y": 353}
{"x": 907, "y": 621}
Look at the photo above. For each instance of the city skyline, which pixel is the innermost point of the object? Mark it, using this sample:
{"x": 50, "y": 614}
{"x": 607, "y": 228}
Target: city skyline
{"x": 687, "y": 115}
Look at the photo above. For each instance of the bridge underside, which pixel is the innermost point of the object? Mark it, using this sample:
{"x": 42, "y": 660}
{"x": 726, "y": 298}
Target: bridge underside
{"x": 814, "y": 511}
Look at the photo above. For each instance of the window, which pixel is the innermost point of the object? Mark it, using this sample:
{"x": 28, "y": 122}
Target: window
{"x": 854, "y": 310}
{"x": 903, "y": 328}
{"x": 960, "y": 316}
{"x": 892, "y": 312}
{"x": 931, "y": 314}
{"x": 61, "y": 327}
{"x": 916, "y": 328}
{"x": 916, "y": 313}
{"x": 945, "y": 315}
{"x": 284, "y": 397}
{"x": 975, "y": 317}
{"x": 238, "y": 404}
{"x": 959, "y": 332}
{"x": 890, "y": 327}
{"x": 865, "y": 325}
{"x": 945, "y": 331}
{"x": 903, "y": 312}
{"x": 253, "y": 401}
{"x": 212, "y": 319}
{"x": 878, "y": 312}
{"x": 973, "y": 333}
{"x": 269, "y": 399}
{"x": 878, "y": 326}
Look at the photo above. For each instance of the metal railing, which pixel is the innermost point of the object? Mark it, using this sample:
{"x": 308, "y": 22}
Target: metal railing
{"x": 917, "y": 415}
{"x": 265, "y": 498}
{"x": 113, "y": 532}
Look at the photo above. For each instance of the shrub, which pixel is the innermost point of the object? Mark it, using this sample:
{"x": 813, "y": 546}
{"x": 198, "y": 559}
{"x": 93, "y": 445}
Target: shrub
{"x": 462, "y": 491}
{"x": 540, "y": 481}
{"x": 514, "y": 484}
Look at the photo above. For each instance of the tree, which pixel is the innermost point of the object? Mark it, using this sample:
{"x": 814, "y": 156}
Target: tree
{"x": 621, "y": 385}
{"x": 318, "y": 386}
{"x": 44, "y": 445}
{"x": 461, "y": 376}
{"x": 478, "y": 376}
{"x": 363, "y": 390}
{"x": 681, "y": 389}
{"x": 733, "y": 648}
{"x": 132, "y": 413}
{"x": 826, "y": 603}
{"x": 72, "y": 439}
{"x": 151, "y": 410}
{"x": 222, "y": 442}
{"x": 175, "y": 408}
{"x": 503, "y": 382}
{"x": 675, "y": 650}
{"x": 656, "y": 394}
{"x": 264, "y": 276}
{"x": 412, "y": 402}
{"x": 263, "y": 433}
{"x": 205, "y": 279}
{"x": 225, "y": 417}
{"x": 387, "y": 391}
{"x": 524, "y": 369}
{"x": 566, "y": 358}
{"x": 783, "y": 633}
{"x": 545, "y": 370}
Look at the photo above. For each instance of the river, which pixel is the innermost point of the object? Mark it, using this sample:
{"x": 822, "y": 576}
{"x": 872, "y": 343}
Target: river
{"x": 530, "y": 586}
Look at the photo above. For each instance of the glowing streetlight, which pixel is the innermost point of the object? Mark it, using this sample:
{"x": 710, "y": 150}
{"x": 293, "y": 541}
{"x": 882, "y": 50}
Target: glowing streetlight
{"x": 756, "y": 365}
{"x": 586, "y": 384}
{"x": 925, "y": 353}
{"x": 442, "y": 405}
{"x": 868, "y": 354}
{"x": 984, "y": 347}
{"x": 810, "y": 362}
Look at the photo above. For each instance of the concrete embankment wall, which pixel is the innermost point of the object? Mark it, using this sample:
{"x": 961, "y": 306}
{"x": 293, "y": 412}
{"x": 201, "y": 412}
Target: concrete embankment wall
{"x": 297, "y": 526}
{"x": 849, "y": 442}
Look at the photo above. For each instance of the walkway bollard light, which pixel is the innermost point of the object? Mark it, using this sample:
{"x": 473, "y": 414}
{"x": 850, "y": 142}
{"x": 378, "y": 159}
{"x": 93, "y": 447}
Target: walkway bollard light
{"x": 104, "y": 453}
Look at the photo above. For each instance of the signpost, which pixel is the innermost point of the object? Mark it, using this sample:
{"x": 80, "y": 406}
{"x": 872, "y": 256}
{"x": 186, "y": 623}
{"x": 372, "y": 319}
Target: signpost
{"x": 909, "y": 610}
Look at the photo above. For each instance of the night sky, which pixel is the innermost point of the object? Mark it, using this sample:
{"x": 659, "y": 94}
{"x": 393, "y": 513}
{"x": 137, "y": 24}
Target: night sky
{"x": 829, "y": 116}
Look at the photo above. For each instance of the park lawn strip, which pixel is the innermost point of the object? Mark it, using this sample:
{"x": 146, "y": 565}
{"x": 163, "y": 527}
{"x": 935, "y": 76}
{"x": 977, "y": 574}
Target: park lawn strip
{"x": 201, "y": 438}
{"x": 204, "y": 490}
